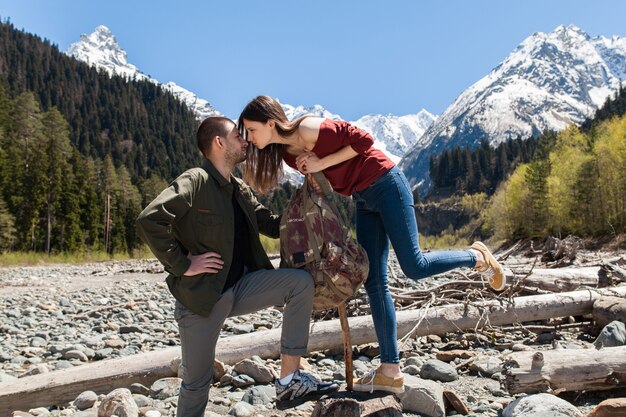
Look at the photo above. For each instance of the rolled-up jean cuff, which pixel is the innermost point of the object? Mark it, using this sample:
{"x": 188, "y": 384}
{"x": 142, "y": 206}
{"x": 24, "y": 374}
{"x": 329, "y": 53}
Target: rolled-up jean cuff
{"x": 293, "y": 351}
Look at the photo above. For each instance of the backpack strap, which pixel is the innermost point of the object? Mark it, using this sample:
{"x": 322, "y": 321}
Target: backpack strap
{"x": 307, "y": 201}
{"x": 323, "y": 183}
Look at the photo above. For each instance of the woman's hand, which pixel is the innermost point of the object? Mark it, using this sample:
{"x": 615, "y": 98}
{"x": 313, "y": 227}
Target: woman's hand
{"x": 309, "y": 163}
{"x": 206, "y": 263}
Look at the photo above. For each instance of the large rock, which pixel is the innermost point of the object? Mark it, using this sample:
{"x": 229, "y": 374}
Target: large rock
{"x": 613, "y": 334}
{"x": 37, "y": 369}
{"x": 86, "y": 400}
{"x": 219, "y": 370}
{"x": 423, "y": 397}
{"x": 439, "y": 371}
{"x": 540, "y": 405}
{"x": 261, "y": 394}
{"x": 259, "y": 372}
{"x": 614, "y": 407}
{"x": 242, "y": 409}
{"x": 486, "y": 365}
{"x": 118, "y": 402}
{"x": 165, "y": 388}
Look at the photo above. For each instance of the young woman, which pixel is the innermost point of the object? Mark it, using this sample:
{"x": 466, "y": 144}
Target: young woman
{"x": 384, "y": 210}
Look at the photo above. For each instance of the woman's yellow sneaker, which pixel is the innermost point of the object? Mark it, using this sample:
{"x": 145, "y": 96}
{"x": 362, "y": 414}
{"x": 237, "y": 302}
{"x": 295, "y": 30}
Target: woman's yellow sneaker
{"x": 376, "y": 381}
{"x": 492, "y": 269}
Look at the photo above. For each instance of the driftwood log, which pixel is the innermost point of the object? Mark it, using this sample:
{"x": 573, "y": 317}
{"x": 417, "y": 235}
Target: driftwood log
{"x": 566, "y": 279}
{"x": 566, "y": 370}
{"x": 608, "y": 309}
{"x": 60, "y": 387}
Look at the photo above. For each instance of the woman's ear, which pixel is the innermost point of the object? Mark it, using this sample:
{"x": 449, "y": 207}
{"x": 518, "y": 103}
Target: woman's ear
{"x": 271, "y": 123}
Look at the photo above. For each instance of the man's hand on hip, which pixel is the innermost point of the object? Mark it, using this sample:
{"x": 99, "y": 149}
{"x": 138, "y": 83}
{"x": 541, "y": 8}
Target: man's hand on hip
{"x": 206, "y": 263}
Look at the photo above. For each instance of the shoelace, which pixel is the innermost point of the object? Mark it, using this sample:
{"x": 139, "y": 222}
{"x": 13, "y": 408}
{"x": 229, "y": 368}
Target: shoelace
{"x": 489, "y": 272}
{"x": 308, "y": 380}
{"x": 371, "y": 375}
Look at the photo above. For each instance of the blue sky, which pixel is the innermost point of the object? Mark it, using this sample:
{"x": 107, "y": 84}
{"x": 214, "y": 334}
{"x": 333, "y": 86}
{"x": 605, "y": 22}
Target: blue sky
{"x": 352, "y": 57}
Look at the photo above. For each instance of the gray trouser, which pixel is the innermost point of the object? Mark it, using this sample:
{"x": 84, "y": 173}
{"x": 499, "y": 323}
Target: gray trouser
{"x": 255, "y": 291}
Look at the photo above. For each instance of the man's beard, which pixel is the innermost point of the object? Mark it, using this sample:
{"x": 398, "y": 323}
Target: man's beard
{"x": 236, "y": 157}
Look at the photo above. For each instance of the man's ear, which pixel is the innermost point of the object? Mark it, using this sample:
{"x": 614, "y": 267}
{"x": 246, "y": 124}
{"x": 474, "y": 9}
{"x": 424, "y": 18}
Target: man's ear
{"x": 219, "y": 141}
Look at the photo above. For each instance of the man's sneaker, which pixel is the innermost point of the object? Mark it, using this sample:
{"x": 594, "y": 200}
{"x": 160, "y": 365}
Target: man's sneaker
{"x": 492, "y": 269}
{"x": 303, "y": 385}
{"x": 376, "y": 381}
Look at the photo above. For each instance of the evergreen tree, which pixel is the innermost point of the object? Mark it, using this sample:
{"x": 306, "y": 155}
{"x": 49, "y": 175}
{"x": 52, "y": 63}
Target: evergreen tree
{"x": 108, "y": 181}
{"x": 56, "y": 167}
{"x": 70, "y": 235}
{"x": 129, "y": 207}
{"x": 536, "y": 180}
{"x": 90, "y": 202}
{"x": 24, "y": 181}
{"x": 5, "y": 109}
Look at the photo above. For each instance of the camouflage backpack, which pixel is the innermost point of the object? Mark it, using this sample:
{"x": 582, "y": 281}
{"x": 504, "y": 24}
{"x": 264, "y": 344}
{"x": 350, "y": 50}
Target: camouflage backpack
{"x": 313, "y": 237}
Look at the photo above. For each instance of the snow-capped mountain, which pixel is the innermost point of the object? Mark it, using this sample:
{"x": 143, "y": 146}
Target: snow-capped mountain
{"x": 549, "y": 81}
{"x": 395, "y": 135}
{"x": 101, "y": 50}
{"x": 315, "y": 110}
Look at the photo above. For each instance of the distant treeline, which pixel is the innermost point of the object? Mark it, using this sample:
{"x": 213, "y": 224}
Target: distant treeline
{"x": 574, "y": 184}
{"x": 479, "y": 170}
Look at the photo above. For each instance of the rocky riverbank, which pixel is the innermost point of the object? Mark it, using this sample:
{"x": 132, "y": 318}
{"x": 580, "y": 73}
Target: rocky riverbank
{"x": 57, "y": 317}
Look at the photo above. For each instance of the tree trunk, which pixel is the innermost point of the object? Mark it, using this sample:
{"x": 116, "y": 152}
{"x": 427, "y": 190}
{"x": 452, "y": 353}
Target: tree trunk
{"x": 566, "y": 370}
{"x": 60, "y": 387}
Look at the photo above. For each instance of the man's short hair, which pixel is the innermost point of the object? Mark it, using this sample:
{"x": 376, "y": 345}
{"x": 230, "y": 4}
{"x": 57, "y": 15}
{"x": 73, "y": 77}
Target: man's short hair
{"x": 209, "y": 129}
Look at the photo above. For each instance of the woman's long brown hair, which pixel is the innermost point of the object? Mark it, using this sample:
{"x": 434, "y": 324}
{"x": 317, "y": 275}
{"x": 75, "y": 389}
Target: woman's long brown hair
{"x": 264, "y": 167}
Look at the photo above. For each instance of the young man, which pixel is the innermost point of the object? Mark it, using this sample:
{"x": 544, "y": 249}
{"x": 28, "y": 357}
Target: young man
{"x": 204, "y": 228}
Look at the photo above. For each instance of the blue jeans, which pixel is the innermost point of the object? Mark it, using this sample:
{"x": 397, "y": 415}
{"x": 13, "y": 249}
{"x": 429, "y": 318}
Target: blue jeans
{"x": 384, "y": 212}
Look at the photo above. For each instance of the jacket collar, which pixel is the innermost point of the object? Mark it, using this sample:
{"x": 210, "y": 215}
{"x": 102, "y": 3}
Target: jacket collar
{"x": 210, "y": 168}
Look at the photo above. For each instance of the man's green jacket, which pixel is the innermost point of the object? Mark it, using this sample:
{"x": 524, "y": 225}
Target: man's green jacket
{"x": 195, "y": 215}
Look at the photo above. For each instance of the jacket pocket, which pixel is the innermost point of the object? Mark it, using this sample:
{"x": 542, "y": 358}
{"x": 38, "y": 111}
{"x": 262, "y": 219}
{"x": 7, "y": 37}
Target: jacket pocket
{"x": 208, "y": 217}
